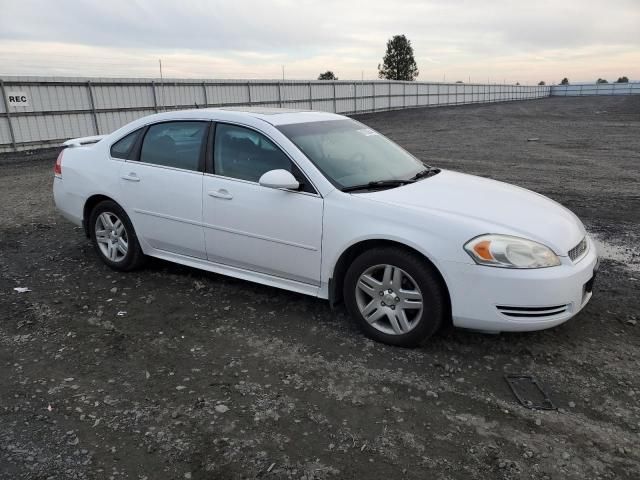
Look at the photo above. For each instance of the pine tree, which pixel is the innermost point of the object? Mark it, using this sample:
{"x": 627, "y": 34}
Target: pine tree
{"x": 328, "y": 75}
{"x": 398, "y": 62}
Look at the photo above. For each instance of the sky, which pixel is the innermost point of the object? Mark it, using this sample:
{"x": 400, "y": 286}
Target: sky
{"x": 453, "y": 40}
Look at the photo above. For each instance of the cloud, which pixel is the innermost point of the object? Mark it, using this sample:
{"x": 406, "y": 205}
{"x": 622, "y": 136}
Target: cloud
{"x": 251, "y": 39}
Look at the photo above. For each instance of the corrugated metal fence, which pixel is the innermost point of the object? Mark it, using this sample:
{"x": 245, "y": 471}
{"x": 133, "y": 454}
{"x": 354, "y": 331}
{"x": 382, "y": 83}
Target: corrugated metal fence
{"x": 57, "y": 108}
{"x": 631, "y": 88}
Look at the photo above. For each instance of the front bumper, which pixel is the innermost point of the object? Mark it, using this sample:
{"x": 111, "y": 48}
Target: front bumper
{"x": 528, "y": 299}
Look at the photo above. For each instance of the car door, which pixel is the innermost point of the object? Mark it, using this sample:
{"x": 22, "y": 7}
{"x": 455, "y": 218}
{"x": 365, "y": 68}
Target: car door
{"x": 246, "y": 225}
{"x": 161, "y": 186}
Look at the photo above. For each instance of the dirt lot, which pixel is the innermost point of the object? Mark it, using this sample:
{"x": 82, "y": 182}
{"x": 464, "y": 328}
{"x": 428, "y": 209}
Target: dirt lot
{"x": 203, "y": 376}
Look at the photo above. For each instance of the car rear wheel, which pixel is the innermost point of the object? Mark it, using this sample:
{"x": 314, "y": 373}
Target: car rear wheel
{"x": 114, "y": 238}
{"x": 395, "y": 296}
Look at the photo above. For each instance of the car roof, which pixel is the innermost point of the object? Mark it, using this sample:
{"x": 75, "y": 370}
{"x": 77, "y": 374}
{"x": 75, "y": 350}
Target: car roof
{"x": 273, "y": 116}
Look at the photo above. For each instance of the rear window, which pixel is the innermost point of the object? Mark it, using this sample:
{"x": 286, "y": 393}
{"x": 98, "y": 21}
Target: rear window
{"x": 123, "y": 147}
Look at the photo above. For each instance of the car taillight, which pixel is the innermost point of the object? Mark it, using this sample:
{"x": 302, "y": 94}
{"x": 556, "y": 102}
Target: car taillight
{"x": 57, "y": 169}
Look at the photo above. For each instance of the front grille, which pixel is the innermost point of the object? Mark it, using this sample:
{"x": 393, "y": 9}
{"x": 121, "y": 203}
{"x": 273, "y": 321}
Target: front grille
{"x": 532, "y": 312}
{"x": 579, "y": 250}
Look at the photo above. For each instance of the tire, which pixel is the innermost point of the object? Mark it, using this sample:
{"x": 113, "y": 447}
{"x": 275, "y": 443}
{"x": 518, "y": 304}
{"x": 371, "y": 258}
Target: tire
{"x": 403, "y": 316}
{"x": 116, "y": 243}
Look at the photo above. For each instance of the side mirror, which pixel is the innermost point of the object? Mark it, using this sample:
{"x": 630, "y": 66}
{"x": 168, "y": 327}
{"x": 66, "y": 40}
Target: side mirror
{"x": 279, "y": 179}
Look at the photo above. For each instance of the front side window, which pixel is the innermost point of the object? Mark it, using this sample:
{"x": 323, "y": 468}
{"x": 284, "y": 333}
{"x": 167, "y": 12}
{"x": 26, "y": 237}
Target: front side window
{"x": 349, "y": 153}
{"x": 124, "y": 147}
{"x": 245, "y": 154}
{"x": 175, "y": 144}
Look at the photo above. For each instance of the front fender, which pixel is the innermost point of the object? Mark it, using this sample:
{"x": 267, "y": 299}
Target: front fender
{"x": 348, "y": 222}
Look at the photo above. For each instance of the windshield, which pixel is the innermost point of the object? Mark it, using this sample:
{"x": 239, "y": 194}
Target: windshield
{"x": 349, "y": 153}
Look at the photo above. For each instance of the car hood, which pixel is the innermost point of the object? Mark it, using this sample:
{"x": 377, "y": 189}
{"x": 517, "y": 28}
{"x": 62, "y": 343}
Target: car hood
{"x": 494, "y": 206}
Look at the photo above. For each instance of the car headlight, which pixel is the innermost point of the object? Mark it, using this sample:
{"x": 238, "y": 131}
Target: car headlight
{"x": 510, "y": 252}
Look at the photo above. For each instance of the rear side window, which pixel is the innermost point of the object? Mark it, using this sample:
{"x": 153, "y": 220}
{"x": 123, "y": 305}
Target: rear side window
{"x": 175, "y": 144}
{"x": 123, "y": 147}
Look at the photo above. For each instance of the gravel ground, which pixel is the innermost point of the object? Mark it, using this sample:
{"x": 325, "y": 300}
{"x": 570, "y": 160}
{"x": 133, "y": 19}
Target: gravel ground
{"x": 170, "y": 372}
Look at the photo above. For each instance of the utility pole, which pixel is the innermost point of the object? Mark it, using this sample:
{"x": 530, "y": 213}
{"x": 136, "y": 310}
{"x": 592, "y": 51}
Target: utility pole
{"x": 362, "y": 75}
{"x": 161, "y": 83}
{"x": 283, "y": 73}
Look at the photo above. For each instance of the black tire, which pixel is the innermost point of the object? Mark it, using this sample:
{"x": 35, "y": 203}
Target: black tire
{"x": 134, "y": 256}
{"x": 434, "y": 300}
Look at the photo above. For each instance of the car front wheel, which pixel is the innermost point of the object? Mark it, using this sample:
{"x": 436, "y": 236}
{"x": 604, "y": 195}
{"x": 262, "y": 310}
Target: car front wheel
{"x": 395, "y": 296}
{"x": 113, "y": 237}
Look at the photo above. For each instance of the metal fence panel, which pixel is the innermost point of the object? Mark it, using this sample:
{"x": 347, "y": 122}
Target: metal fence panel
{"x": 61, "y": 108}
{"x": 577, "y": 90}
{"x": 5, "y": 134}
{"x": 322, "y": 91}
{"x": 344, "y": 105}
{"x": 264, "y": 93}
{"x": 56, "y": 98}
{"x": 111, "y": 121}
{"x": 179, "y": 95}
{"x": 296, "y": 92}
{"x": 324, "y": 105}
{"x": 235, "y": 94}
{"x": 51, "y": 127}
{"x": 106, "y": 96}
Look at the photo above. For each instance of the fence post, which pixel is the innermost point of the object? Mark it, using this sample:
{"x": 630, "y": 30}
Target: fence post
{"x": 355, "y": 104}
{"x": 335, "y": 108}
{"x": 404, "y": 95}
{"x": 8, "y": 113}
{"x": 310, "y": 97}
{"x": 93, "y": 107}
{"x": 280, "y": 94}
{"x": 155, "y": 97}
{"x": 206, "y": 96}
{"x": 373, "y": 96}
{"x": 249, "y": 92}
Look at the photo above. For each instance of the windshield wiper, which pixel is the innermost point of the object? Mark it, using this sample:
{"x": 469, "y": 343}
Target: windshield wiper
{"x": 378, "y": 184}
{"x": 427, "y": 172}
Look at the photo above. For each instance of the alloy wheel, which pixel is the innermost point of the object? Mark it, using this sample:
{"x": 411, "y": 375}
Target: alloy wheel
{"x": 111, "y": 236}
{"x": 389, "y": 299}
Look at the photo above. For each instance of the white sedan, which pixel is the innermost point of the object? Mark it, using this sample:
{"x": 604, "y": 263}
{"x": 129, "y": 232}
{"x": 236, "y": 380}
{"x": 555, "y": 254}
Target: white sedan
{"x": 320, "y": 204}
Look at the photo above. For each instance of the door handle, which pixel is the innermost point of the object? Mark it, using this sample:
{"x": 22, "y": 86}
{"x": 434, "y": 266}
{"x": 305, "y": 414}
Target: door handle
{"x": 132, "y": 177}
{"x": 221, "y": 193}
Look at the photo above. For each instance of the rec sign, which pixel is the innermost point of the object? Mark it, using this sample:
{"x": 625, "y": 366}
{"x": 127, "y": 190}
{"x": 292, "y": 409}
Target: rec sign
{"x": 17, "y": 99}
